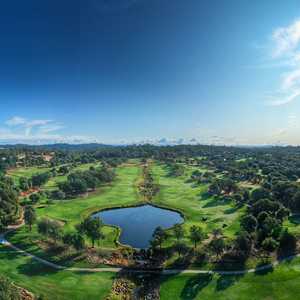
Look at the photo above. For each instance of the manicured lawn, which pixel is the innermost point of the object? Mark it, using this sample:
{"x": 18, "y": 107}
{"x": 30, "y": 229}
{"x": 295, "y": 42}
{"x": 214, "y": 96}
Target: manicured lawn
{"x": 26, "y": 172}
{"x": 54, "y": 285}
{"x": 190, "y": 199}
{"x": 122, "y": 192}
{"x": 282, "y": 283}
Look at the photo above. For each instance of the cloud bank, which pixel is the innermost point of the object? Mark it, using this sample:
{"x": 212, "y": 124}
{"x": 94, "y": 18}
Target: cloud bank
{"x": 38, "y": 131}
{"x": 286, "y": 53}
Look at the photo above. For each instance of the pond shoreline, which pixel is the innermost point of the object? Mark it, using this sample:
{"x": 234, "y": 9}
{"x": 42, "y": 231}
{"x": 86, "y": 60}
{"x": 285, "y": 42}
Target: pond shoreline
{"x": 137, "y": 205}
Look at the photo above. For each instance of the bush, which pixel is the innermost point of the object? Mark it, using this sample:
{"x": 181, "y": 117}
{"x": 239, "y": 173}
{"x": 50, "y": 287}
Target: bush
{"x": 8, "y": 291}
{"x": 269, "y": 244}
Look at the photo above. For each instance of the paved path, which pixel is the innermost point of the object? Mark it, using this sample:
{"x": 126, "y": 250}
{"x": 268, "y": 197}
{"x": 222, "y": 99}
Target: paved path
{"x": 6, "y": 243}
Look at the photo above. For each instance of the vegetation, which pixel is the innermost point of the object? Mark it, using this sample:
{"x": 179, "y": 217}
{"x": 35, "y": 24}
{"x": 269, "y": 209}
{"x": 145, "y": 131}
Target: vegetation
{"x": 240, "y": 206}
{"x": 8, "y": 291}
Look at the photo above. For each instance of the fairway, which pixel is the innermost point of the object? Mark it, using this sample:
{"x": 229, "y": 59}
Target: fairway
{"x": 54, "y": 285}
{"x": 282, "y": 283}
{"x": 188, "y": 198}
{"x": 121, "y": 193}
{"x": 28, "y": 172}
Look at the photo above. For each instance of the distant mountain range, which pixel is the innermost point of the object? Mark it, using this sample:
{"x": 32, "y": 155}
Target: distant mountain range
{"x": 84, "y": 144}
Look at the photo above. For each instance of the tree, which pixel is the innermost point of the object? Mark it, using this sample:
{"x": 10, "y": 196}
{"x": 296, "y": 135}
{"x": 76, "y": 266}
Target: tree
{"x": 40, "y": 179}
{"x": 75, "y": 240}
{"x": 196, "y": 235}
{"x": 217, "y": 246}
{"x": 68, "y": 238}
{"x": 50, "y": 228}
{"x": 216, "y": 232}
{"x": 78, "y": 242}
{"x": 43, "y": 226}
{"x": 249, "y": 223}
{"x": 269, "y": 244}
{"x": 9, "y": 206}
{"x": 180, "y": 248}
{"x": 64, "y": 170}
{"x": 34, "y": 198}
{"x": 243, "y": 242}
{"x": 287, "y": 243}
{"x": 282, "y": 213}
{"x": 271, "y": 227}
{"x": 214, "y": 188}
{"x": 24, "y": 183}
{"x": 259, "y": 193}
{"x": 92, "y": 228}
{"x": 29, "y": 216}
{"x": 58, "y": 194}
{"x": 154, "y": 243}
{"x": 178, "y": 232}
{"x": 266, "y": 205}
{"x": 55, "y": 231}
{"x": 295, "y": 203}
{"x": 159, "y": 235}
{"x": 261, "y": 218}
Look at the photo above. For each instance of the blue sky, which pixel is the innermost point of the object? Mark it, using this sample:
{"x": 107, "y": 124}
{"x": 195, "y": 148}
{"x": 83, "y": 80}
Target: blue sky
{"x": 222, "y": 72}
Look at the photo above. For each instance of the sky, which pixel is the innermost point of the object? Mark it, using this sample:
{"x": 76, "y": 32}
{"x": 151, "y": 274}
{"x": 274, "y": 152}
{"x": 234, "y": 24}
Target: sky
{"x": 130, "y": 71}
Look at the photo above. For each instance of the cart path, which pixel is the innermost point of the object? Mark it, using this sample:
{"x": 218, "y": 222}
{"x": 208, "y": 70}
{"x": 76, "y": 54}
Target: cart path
{"x": 6, "y": 243}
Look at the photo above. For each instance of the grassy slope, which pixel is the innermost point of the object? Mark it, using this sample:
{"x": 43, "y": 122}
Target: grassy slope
{"x": 283, "y": 283}
{"x": 16, "y": 174}
{"x": 121, "y": 193}
{"x": 62, "y": 285}
{"x": 176, "y": 192}
{"x": 54, "y": 181}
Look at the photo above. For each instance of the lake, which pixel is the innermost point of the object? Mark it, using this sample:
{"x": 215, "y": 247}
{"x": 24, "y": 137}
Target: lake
{"x": 138, "y": 223}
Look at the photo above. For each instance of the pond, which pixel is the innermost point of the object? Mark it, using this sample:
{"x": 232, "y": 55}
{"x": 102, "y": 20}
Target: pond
{"x": 138, "y": 223}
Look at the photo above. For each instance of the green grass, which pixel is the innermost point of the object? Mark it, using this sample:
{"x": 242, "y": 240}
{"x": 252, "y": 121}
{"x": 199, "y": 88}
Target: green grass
{"x": 17, "y": 173}
{"x": 282, "y": 283}
{"x": 175, "y": 192}
{"x": 122, "y": 192}
{"x": 190, "y": 199}
{"x": 293, "y": 224}
{"x": 55, "y": 285}
{"x": 53, "y": 182}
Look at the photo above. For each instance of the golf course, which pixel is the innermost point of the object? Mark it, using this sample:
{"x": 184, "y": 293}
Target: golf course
{"x": 77, "y": 274}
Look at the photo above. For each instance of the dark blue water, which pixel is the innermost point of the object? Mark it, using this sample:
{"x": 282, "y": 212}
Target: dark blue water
{"x": 138, "y": 223}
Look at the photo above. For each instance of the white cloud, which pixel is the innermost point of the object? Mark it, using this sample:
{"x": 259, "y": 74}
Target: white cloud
{"x": 38, "y": 131}
{"x": 286, "y": 39}
{"x": 286, "y": 53}
{"x": 14, "y": 121}
{"x": 284, "y": 98}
